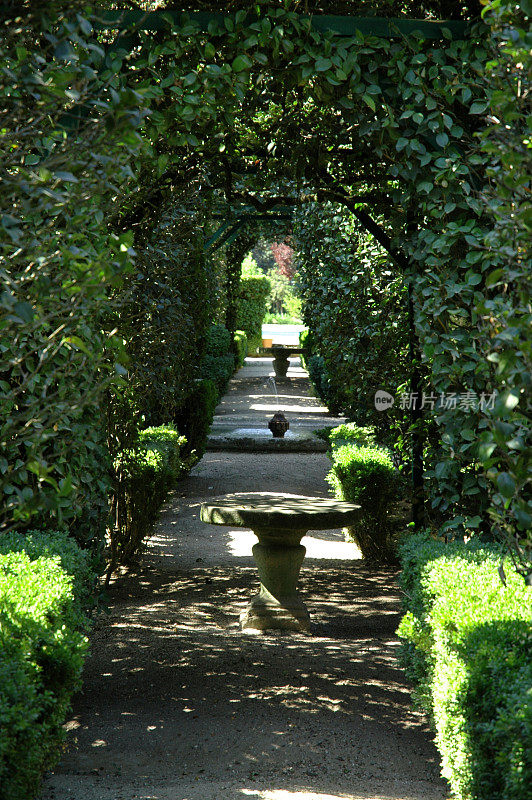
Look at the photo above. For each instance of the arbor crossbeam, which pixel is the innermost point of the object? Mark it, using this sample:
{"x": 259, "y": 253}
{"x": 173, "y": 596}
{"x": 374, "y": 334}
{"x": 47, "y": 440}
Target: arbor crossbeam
{"x": 394, "y": 27}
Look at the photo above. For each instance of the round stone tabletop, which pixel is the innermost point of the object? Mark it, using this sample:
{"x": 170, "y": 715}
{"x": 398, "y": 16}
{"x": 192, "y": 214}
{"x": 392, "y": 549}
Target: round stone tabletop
{"x": 286, "y": 511}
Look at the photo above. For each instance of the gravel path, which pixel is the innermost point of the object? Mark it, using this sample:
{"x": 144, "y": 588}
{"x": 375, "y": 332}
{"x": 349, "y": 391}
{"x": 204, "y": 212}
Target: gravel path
{"x": 179, "y": 704}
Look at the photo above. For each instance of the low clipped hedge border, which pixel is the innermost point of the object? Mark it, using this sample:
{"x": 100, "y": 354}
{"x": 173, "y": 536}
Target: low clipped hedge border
{"x": 45, "y": 585}
{"x": 367, "y": 476}
{"x": 348, "y": 433}
{"x": 468, "y": 645}
{"x": 144, "y": 476}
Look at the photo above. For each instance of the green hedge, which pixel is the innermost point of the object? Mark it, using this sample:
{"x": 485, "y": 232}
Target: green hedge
{"x": 218, "y": 341}
{"x": 468, "y": 651}
{"x": 195, "y": 417}
{"x": 241, "y": 347}
{"x": 367, "y": 476}
{"x": 144, "y": 473}
{"x": 219, "y": 362}
{"x": 305, "y": 341}
{"x": 44, "y": 586}
{"x": 251, "y": 307}
{"x": 349, "y": 433}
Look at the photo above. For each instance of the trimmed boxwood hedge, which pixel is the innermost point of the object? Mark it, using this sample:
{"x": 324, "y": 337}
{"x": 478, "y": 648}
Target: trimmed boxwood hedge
{"x": 241, "y": 347}
{"x": 144, "y": 475}
{"x": 468, "y": 650}
{"x": 251, "y": 307}
{"x": 195, "y": 417}
{"x": 45, "y": 581}
{"x": 219, "y": 362}
{"x": 367, "y": 476}
{"x": 349, "y": 433}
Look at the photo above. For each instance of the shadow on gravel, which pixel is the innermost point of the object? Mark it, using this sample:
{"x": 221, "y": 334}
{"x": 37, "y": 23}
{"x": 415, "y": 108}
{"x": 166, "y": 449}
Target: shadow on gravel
{"x": 175, "y": 692}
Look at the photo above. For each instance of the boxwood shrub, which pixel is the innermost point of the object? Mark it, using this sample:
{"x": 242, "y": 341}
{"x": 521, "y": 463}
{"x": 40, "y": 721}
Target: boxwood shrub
{"x": 241, "y": 347}
{"x": 251, "y": 307}
{"x": 144, "y": 474}
{"x": 195, "y": 417}
{"x": 219, "y": 362}
{"x": 468, "y": 636}
{"x": 367, "y": 476}
{"x": 43, "y": 590}
{"x": 349, "y": 433}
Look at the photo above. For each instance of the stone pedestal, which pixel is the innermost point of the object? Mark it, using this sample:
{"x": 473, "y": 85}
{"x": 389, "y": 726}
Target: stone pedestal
{"x": 281, "y": 353}
{"x": 280, "y": 365}
{"x": 277, "y": 605}
{"x": 279, "y": 521}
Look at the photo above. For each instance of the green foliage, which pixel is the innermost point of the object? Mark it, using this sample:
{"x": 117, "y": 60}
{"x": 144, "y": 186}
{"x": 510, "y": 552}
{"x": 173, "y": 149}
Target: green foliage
{"x": 78, "y": 563}
{"x": 218, "y": 341}
{"x": 355, "y": 304}
{"x": 366, "y": 476}
{"x": 468, "y": 637}
{"x": 282, "y": 319}
{"x": 504, "y": 257}
{"x": 250, "y": 268}
{"x": 306, "y": 343}
{"x": 42, "y": 648}
{"x": 241, "y": 347}
{"x": 195, "y": 417}
{"x": 219, "y": 362}
{"x": 60, "y": 262}
{"x": 164, "y": 323}
{"x": 109, "y": 139}
{"x": 321, "y": 382}
{"x": 251, "y": 305}
{"x": 144, "y": 474}
{"x": 350, "y": 433}
{"x": 282, "y": 300}
{"x": 219, "y": 369}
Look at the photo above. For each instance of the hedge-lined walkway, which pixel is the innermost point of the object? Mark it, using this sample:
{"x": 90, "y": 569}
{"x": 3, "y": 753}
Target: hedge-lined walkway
{"x": 179, "y": 704}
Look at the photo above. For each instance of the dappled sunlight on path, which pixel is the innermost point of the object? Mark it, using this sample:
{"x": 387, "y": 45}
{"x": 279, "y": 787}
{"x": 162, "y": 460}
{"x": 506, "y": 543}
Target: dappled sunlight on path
{"x": 180, "y": 704}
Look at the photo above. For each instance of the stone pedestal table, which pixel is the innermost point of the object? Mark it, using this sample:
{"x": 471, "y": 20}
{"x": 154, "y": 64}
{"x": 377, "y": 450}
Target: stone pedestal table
{"x": 279, "y": 521}
{"x": 281, "y": 354}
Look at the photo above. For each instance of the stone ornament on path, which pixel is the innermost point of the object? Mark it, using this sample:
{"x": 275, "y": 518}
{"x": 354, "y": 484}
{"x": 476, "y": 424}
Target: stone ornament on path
{"x": 279, "y": 521}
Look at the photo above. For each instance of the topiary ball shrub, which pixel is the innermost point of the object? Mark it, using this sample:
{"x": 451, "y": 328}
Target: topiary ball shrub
{"x": 366, "y": 476}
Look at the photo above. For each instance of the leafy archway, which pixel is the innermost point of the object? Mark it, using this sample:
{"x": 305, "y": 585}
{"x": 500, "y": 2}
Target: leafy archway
{"x": 271, "y": 109}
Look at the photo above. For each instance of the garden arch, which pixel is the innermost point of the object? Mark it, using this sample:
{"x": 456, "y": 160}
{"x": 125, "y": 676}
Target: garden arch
{"x": 285, "y": 106}
{"x": 363, "y": 112}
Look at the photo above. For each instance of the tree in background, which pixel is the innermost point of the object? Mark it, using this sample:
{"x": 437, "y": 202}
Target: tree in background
{"x": 283, "y": 254}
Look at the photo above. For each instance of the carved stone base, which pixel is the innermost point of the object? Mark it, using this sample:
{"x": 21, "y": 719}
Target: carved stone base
{"x": 277, "y": 605}
{"x": 265, "y": 612}
{"x": 280, "y": 366}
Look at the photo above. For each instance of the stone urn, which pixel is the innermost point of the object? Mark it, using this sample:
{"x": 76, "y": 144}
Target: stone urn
{"x": 278, "y": 425}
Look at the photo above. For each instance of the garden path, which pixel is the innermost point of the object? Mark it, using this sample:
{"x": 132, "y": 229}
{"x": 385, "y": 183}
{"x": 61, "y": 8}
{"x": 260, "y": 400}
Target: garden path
{"x": 179, "y": 704}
